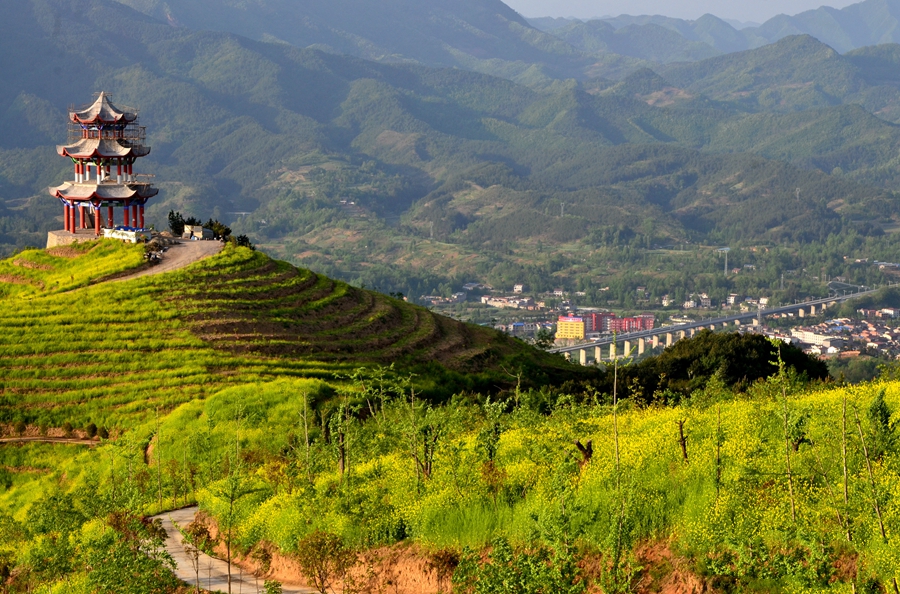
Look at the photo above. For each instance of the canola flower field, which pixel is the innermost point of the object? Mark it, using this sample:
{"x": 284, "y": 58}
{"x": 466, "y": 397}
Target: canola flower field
{"x": 785, "y": 491}
{"x": 201, "y": 379}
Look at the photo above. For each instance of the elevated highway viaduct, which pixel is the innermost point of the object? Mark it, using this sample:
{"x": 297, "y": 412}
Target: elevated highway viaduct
{"x": 607, "y": 347}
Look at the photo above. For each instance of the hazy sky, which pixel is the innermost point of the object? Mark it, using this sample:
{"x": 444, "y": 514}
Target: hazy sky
{"x": 744, "y": 10}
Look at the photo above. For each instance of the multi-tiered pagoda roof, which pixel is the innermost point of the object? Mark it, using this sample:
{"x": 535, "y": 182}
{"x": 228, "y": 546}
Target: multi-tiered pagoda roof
{"x": 103, "y": 136}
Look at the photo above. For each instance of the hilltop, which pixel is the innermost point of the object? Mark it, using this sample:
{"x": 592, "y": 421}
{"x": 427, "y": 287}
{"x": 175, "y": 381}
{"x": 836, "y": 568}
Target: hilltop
{"x": 233, "y": 318}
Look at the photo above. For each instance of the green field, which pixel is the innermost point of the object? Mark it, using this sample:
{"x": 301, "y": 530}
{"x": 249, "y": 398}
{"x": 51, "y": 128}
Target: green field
{"x": 294, "y": 408}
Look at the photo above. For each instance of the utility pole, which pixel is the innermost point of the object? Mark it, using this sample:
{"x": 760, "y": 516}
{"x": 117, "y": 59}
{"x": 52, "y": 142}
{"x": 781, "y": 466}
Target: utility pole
{"x": 782, "y": 281}
{"x": 725, "y": 251}
{"x": 562, "y": 209}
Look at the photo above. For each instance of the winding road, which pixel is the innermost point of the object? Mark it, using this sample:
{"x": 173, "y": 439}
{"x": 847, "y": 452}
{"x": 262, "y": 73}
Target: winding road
{"x": 213, "y": 572}
{"x": 179, "y": 255}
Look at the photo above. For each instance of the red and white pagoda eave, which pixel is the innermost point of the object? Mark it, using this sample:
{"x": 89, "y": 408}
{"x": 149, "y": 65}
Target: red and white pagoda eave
{"x": 104, "y": 142}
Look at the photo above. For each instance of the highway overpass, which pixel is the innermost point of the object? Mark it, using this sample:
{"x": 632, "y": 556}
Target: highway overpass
{"x": 608, "y": 347}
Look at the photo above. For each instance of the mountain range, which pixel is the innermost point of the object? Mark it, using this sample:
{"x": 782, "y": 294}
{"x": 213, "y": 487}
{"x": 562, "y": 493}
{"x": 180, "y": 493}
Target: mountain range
{"x": 871, "y": 22}
{"x": 399, "y": 169}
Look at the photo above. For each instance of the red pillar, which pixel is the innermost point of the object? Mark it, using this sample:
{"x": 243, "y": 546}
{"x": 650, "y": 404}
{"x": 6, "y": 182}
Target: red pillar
{"x": 109, "y": 217}
{"x": 119, "y": 168}
{"x": 72, "y": 218}
{"x": 134, "y": 215}
{"x": 97, "y": 220}
{"x": 141, "y": 213}
{"x": 66, "y": 216}
{"x": 125, "y": 216}
{"x": 81, "y": 222}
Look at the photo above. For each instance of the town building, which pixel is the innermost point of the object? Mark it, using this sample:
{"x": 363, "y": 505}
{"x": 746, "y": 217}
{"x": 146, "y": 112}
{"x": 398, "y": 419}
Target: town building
{"x": 508, "y": 302}
{"x": 633, "y": 324}
{"x": 570, "y": 327}
{"x": 815, "y": 338}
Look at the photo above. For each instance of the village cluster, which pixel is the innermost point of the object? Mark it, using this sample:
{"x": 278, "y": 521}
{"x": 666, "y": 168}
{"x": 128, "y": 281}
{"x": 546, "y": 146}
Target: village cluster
{"x": 554, "y": 312}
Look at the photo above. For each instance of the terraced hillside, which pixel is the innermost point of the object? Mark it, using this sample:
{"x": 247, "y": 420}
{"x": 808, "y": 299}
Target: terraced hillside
{"x": 107, "y": 353}
{"x": 247, "y": 302}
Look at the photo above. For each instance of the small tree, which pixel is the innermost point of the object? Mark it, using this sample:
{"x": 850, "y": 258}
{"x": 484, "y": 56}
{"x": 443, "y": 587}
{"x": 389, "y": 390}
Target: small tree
{"x": 243, "y": 241}
{"x": 230, "y": 491}
{"x": 543, "y": 339}
{"x": 880, "y": 425}
{"x": 324, "y": 558}
{"x": 176, "y": 223}
{"x": 221, "y": 230}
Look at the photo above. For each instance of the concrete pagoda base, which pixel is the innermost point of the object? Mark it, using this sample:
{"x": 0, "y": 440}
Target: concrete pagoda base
{"x": 62, "y": 237}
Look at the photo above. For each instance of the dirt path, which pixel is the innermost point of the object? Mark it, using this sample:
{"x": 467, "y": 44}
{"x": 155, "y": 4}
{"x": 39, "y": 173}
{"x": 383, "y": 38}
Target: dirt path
{"x": 213, "y": 572}
{"x": 178, "y": 256}
{"x": 70, "y": 440}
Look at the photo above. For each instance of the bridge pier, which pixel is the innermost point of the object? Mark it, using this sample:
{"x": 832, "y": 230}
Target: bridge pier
{"x": 737, "y": 322}
{"x": 598, "y": 354}
{"x": 612, "y": 351}
{"x": 669, "y": 340}
{"x": 567, "y": 355}
{"x": 812, "y": 310}
{"x": 642, "y": 346}
{"x": 655, "y": 340}
{"x": 627, "y": 350}
{"x": 756, "y": 321}
{"x": 801, "y": 313}
{"x": 582, "y": 356}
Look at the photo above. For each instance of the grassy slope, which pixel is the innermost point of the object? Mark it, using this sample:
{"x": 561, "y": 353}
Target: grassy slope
{"x": 727, "y": 525}
{"x": 113, "y": 352}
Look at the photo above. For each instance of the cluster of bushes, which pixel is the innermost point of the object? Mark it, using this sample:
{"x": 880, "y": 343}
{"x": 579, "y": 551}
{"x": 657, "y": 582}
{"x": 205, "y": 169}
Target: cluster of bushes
{"x": 91, "y": 430}
{"x": 220, "y": 230}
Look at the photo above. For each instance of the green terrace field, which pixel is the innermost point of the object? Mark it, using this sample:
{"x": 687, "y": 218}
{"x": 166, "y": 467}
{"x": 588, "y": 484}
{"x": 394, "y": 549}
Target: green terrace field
{"x": 76, "y": 350}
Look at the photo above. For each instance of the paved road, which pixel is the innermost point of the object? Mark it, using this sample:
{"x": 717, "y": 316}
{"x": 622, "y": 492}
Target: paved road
{"x": 213, "y": 572}
{"x": 178, "y": 256}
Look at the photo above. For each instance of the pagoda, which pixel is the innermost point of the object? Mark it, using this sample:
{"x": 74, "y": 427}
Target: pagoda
{"x": 103, "y": 138}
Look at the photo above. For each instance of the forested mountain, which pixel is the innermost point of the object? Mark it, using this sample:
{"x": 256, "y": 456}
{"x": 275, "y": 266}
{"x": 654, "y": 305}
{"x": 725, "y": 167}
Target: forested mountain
{"x": 482, "y": 35}
{"x": 871, "y": 22}
{"x": 649, "y": 42}
{"x": 348, "y": 164}
{"x": 797, "y": 73}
